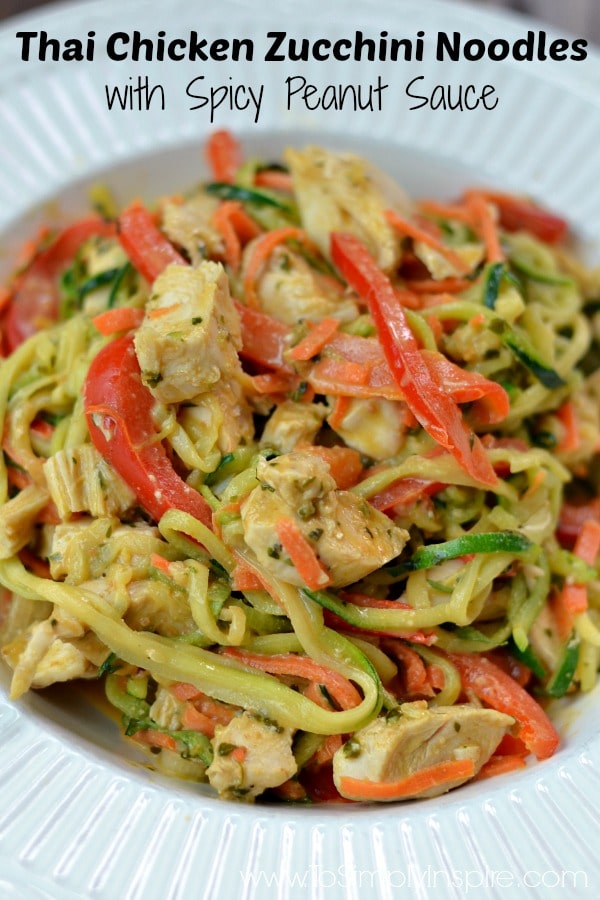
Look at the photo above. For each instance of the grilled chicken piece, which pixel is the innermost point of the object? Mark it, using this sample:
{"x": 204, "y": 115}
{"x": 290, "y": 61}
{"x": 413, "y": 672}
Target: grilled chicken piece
{"x": 392, "y": 748}
{"x": 190, "y": 336}
{"x": 290, "y": 290}
{"x": 291, "y": 424}
{"x": 251, "y": 754}
{"x": 17, "y": 519}
{"x": 80, "y": 480}
{"x": 339, "y": 192}
{"x": 350, "y": 537}
{"x": 372, "y": 426}
{"x": 189, "y": 225}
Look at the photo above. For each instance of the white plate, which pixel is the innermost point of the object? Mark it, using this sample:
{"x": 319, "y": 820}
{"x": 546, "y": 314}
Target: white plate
{"x": 79, "y": 819}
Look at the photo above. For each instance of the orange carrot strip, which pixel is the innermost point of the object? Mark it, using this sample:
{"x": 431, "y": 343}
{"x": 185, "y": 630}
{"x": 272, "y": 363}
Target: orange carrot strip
{"x": 345, "y": 465}
{"x": 587, "y": 544}
{"x": 498, "y": 765}
{"x": 413, "y": 667}
{"x": 571, "y": 439}
{"x": 224, "y": 155}
{"x": 420, "y": 233}
{"x": 340, "y": 408}
{"x": 485, "y": 224}
{"x": 274, "y": 180}
{"x": 315, "y": 340}
{"x": 222, "y": 222}
{"x": 445, "y": 210}
{"x": 442, "y": 285}
{"x": 156, "y": 739}
{"x": 341, "y": 690}
{"x": 195, "y": 720}
{"x": 245, "y": 226}
{"x": 244, "y": 578}
{"x": 302, "y": 554}
{"x": 182, "y": 690}
{"x": 159, "y": 562}
{"x": 123, "y": 318}
{"x": 433, "y": 776}
{"x": 162, "y": 311}
{"x": 262, "y": 251}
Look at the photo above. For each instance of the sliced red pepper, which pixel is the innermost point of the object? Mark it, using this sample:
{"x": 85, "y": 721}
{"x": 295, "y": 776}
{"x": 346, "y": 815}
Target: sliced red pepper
{"x": 144, "y": 243}
{"x": 500, "y": 691}
{"x": 118, "y": 408}
{"x": 435, "y": 410}
{"x": 35, "y": 296}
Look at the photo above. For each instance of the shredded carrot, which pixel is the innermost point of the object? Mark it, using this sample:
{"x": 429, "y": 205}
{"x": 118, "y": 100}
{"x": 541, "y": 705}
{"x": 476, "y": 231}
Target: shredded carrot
{"x": 222, "y": 222}
{"x": 443, "y": 773}
{"x": 341, "y": 690}
{"x": 317, "y": 337}
{"x": 156, "y": 739}
{"x": 421, "y": 233}
{"x": 484, "y": 223}
{"x": 162, "y": 310}
{"x": 244, "y": 578}
{"x": 274, "y": 382}
{"x": 339, "y": 374}
{"x": 123, "y": 318}
{"x": 275, "y": 180}
{"x": 182, "y": 690}
{"x": 302, "y": 554}
{"x": 341, "y": 407}
{"x": 291, "y": 790}
{"x": 224, "y": 155}
{"x": 445, "y": 210}
{"x": 345, "y": 465}
{"x": 195, "y": 720}
{"x": 159, "y": 562}
{"x": 498, "y": 765}
{"x": 571, "y": 438}
{"x": 442, "y": 285}
{"x": 587, "y": 544}
{"x": 413, "y": 668}
{"x": 325, "y": 753}
{"x": 263, "y": 248}
{"x": 478, "y": 321}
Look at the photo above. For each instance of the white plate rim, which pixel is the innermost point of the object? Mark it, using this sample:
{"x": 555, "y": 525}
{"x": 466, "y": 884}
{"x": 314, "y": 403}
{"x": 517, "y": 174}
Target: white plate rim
{"x": 56, "y": 845}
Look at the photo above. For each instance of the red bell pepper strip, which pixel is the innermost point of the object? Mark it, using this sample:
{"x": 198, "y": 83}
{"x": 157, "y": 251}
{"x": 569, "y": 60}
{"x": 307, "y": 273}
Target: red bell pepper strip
{"x": 34, "y": 303}
{"x": 118, "y": 408}
{"x": 143, "y": 242}
{"x": 434, "y": 409}
{"x": 499, "y": 690}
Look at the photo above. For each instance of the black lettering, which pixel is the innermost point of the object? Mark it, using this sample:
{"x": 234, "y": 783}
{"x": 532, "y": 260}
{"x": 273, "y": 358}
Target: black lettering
{"x": 326, "y": 45}
{"x": 523, "y": 48}
{"x": 474, "y": 50}
{"x": 498, "y": 49}
{"x": 337, "y": 49}
{"x": 239, "y": 44}
{"x": 174, "y": 45}
{"x": 579, "y": 49}
{"x": 416, "y": 96}
{"x": 447, "y": 46}
{"x": 119, "y": 37}
{"x": 218, "y": 50}
{"x": 26, "y": 38}
{"x": 197, "y": 48}
{"x": 272, "y": 54}
{"x": 361, "y": 44}
{"x": 73, "y": 51}
{"x": 557, "y": 49}
{"x": 46, "y": 44}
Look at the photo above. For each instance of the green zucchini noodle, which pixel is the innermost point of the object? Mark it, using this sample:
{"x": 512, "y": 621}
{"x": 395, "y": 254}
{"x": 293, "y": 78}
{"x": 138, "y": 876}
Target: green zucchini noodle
{"x": 306, "y": 472}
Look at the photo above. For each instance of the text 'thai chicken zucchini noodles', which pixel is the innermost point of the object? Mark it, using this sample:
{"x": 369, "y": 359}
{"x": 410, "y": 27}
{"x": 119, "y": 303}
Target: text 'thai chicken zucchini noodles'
{"x": 306, "y": 472}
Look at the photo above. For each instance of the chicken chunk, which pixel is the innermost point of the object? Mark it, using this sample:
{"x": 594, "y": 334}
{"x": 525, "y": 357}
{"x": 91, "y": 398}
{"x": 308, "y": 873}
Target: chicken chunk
{"x": 190, "y": 335}
{"x": 80, "y": 480}
{"x": 392, "y": 748}
{"x": 337, "y": 192}
{"x": 291, "y": 424}
{"x": 372, "y": 426}
{"x": 189, "y": 225}
{"x": 350, "y": 536}
{"x": 17, "y": 519}
{"x": 264, "y": 757}
{"x": 290, "y": 290}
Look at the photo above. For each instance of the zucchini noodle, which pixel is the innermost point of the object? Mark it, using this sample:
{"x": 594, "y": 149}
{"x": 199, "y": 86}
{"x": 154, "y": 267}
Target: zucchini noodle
{"x": 317, "y": 504}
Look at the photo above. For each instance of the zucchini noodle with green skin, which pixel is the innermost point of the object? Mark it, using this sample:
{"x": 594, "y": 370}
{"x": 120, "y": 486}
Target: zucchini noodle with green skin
{"x": 306, "y": 471}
